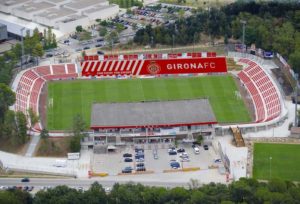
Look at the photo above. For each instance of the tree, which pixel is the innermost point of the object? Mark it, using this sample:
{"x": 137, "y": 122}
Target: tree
{"x": 38, "y": 51}
{"x": 21, "y": 127}
{"x": 79, "y": 29}
{"x": 95, "y": 194}
{"x": 103, "y": 31}
{"x": 33, "y": 117}
{"x": 44, "y": 133}
{"x": 7, "y": 98}
{"x": 79, "y": 126}
{"x": 294, "y": 61}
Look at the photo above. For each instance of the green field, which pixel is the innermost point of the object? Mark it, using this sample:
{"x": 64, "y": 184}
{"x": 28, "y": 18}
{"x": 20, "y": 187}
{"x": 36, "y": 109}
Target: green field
{"x": 68, "y": 98}
{"x": 285, "y": 162}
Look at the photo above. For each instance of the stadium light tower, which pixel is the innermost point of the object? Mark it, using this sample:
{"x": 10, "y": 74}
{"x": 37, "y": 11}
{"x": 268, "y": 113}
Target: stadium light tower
{"x": 22, "y": 44}
{"x": 244, "y": 26}
{"x": 296, "y": 99}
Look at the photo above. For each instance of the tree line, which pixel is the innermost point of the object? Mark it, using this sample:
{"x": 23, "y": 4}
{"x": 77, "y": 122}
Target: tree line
{"x": 13, "y": 125}
{"x": 127, "y": 3}
{"x": 242, "y": 191}
{"x": 273, "y": 26}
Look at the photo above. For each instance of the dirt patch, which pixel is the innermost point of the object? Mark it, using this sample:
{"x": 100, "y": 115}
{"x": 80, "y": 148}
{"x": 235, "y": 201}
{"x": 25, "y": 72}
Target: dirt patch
{"x": 53, "y": 147}
{"x": 7, "y": 146}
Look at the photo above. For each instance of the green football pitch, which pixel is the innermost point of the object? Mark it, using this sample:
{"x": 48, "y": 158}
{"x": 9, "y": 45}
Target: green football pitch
{"x": 68, "y": 98}
{"x": 276, "y": 161}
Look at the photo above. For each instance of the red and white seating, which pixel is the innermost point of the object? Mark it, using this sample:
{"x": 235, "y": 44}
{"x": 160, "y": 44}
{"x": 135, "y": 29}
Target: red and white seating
{"x": 262, "y": 91}
{"x": 32, "y": 81}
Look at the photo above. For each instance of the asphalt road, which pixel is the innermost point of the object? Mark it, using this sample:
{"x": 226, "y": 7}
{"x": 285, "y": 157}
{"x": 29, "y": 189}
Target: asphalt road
{"x": 85, "y": 183}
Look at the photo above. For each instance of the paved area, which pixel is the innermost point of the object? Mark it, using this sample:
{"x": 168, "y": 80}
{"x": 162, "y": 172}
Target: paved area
{"x": 113, "y": 163}
{"x": 33, "y": 143}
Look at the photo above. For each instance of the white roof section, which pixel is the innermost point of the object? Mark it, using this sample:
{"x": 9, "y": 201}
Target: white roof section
{"x": 97, "y": 9}
{"x": 14, "y": 25}
{"x": 81, "y": 4}
{"x": 54, "y": 13}
{"x": 12, "y": 2}
{"x": 34, "y": 6}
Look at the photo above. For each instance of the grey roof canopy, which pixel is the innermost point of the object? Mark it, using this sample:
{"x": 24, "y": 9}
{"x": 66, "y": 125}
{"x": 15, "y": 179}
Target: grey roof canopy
{"x": 152, "y": 114}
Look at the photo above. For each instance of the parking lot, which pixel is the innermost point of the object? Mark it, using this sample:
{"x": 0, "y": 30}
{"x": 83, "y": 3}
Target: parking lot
{"x": 113, "y": 163}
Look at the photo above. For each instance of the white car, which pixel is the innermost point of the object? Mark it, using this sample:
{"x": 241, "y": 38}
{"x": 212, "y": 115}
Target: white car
{"x": 185, "y": 159}
{"x": 183, "y": 155}
{"x": 196, "y": 150}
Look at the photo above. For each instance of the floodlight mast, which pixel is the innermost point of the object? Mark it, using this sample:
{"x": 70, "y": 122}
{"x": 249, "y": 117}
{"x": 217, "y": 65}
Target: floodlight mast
{"x": 244, "y": 26}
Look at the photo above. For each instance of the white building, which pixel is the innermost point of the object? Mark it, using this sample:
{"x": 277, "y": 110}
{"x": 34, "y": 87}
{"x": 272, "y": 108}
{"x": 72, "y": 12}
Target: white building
{"x": 63, "y": 15}
{"x": 6, "y": 6}
{"x": 29, "y": 9}
{"x": 101, "y": 12}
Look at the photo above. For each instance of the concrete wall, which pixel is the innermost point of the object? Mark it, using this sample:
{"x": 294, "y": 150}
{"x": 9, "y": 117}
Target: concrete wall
{"x": 70, "y": 26}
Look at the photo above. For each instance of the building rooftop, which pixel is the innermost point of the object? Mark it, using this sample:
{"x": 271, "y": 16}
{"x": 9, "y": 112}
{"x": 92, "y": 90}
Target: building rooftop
{"x": 55, "y": 1}
{"x": 97, "y": 8}
{"x": 54, "y": 13}
{"x": 12, "y": 2}
{"x": 81, "y": 4}
{"x": 34, "y": 6}
{"x": 72, "y": 18}
{"x": 152, "y": 114}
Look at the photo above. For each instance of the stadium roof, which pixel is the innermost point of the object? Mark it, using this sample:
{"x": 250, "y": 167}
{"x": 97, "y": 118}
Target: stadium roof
{"x": 152, "y": 114}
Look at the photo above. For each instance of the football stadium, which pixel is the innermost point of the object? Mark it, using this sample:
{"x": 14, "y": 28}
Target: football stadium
{"x": 141, "y": 99}
{"x": 248, "y": 99}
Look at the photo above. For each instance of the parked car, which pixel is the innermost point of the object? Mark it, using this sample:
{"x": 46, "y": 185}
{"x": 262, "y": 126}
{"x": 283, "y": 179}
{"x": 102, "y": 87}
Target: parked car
{"x": 139, "y": 150}
{"x": 127, "y": 159}
{"x": 98, "y": 45}
{"x": 173, "y": 152}
{"x": 196, "y": 150}
{"x": 140, "y": 160}
{"x": 127, "y": 155}
{"x": 181, "y": 150}
{"x": 205, "y": 147}
{"x": 175, "y": 165}
{"x": 127, "y": 169}
{"x": 171, "y": 149}
{"x": 30, "y": 188}
{"x": 100, "y": 52}
{"x": 25, "y": 179}
{"x": 185, "y": 159}
{"x": 25, "y": 188}
{"x": 99, "y": 40}
{"x": 217, "y": 160}
{"x": 86, "y": 48}
{"x": 155, "y": 156}
{"x": 49, "y": 55}
{"x": 140, "y": 168}
{"x": 140, "y": 165}
{"x": 183, "y": 155}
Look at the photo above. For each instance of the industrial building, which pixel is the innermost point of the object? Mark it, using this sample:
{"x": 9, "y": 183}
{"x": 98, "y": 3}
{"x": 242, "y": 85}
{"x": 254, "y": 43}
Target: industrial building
{"x": 63, "y": 15}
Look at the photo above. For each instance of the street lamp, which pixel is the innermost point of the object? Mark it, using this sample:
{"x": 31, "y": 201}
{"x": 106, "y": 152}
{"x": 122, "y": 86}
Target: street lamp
{"x": 194, "y": 42}
{"x": 22, "y": 44}
{"x": 296, "y": 100}
{"x": 270, "y": 170}
{"x": 243, "y": 40}
{"x": 173, "y": 39}
{"x": 151, "y": 41}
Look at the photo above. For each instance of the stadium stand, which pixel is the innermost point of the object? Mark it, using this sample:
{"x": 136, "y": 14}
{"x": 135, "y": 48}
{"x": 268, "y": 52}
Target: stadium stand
{"x": 262, "y": 91}
{"x": 32, "y": 81}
